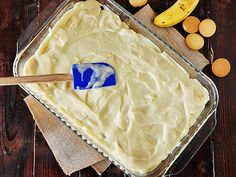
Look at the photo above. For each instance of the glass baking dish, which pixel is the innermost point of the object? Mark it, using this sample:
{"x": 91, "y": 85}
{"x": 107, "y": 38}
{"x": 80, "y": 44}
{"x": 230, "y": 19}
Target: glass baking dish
{"x": 198, "y": 133}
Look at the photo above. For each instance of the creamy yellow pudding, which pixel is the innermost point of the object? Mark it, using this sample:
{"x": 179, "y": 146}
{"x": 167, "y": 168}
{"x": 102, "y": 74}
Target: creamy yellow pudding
{"x": 140, "y": 120}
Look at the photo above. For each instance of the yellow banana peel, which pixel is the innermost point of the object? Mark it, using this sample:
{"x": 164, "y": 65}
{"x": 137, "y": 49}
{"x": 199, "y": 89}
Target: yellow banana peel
{"x": 176, "y": 13}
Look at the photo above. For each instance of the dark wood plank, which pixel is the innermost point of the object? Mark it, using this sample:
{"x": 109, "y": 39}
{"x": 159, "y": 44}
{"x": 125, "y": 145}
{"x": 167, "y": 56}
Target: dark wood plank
{"x": 16, "y": 125}
{"x": 113, "y": 171}
{"x": 225, "y": 46}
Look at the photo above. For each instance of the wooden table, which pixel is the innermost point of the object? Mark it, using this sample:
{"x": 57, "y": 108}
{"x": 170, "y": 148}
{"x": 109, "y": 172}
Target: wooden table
{"x": 23, "y": 150}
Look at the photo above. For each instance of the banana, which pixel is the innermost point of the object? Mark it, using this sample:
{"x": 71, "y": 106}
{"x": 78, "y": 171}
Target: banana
{"x": 176, "y": 13}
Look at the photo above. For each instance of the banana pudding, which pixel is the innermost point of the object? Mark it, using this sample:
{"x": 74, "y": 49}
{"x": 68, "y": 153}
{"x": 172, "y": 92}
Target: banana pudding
{"x": 144, "y": 117}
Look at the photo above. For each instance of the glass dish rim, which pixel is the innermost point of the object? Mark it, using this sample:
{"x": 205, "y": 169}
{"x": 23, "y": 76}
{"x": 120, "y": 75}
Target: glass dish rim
{"x": 15, "y": 72}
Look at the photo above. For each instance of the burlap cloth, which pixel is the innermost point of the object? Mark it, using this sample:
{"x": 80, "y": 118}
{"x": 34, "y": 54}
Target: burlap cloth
{"x": 71, "y": 152}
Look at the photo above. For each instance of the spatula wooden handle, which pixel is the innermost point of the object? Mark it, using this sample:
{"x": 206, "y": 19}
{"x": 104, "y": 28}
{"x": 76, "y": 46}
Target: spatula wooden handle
{"x": 34, "y": 79}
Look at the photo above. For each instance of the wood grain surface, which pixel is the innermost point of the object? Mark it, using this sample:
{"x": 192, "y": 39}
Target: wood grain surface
{"x": 23, "y": 150}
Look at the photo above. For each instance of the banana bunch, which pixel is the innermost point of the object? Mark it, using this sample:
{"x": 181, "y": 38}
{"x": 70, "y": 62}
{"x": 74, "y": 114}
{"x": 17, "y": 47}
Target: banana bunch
{"x": 176, "y": 13}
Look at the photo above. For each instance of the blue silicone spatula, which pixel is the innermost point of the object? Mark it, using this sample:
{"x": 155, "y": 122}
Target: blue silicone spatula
{"x": 84, "y": 76}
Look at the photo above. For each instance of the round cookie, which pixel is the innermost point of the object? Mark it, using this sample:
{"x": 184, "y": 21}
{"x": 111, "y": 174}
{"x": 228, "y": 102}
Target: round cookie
{"x": 137, "y": 3}
{"x": 191, "y": 24}
{"x": 194, "y": 41}
{"x": 207, "y": 28}
{"x": 221, "y": 67}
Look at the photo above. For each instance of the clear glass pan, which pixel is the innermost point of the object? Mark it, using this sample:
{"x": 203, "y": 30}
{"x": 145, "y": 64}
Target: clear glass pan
{"x": 199, "y": 132}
